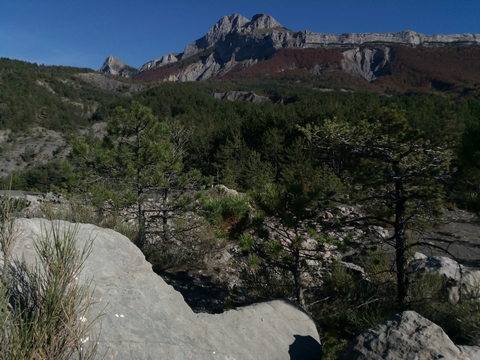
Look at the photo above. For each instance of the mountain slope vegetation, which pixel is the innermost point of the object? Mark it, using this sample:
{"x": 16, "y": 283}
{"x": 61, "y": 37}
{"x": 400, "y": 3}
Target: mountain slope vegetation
{"x": 54, "y": 97}
{"x": 291, "y": 181}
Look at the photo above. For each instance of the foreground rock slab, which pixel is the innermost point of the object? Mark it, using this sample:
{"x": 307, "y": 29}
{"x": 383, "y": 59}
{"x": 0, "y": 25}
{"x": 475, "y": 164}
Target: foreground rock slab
{"x": 406, "y": 336}
{"x": 144, "y": 318}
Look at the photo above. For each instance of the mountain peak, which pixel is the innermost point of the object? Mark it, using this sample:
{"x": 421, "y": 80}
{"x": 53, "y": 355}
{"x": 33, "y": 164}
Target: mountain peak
{"x": 222, "y": 27}
{"x": 115, "y": 66}
{"x": 111, "y": 60}
{"x": 225, "y": 25}
{"x": 263, "y": 21}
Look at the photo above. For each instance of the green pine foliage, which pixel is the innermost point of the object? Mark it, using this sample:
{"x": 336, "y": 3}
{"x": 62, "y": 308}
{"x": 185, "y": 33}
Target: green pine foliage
{"x": 395, "y": 172}
{"x": 137, "y": 160}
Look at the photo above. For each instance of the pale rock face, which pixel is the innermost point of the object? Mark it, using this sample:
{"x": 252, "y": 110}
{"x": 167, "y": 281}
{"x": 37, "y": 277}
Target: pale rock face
{"x": 161, "y": 61}
{"x": 443, "y": 266}
{"x": 114, "y": 66}
{"x": 405, "y": 336}
{"x": 461, "y": 280}
{"x": 408, "y": 38}
{"x": 224, "y": 26}
{"x": 144, "y": 318}
{"x": 240, "y": 95}
{"x": 238, "y": 40}
{"x": 366, "y": 63}
{"x": 262, "y": 21}
{"x": 200, "y": 71}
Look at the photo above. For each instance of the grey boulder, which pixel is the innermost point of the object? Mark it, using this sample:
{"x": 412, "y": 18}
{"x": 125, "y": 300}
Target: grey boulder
{"x": 144, "y": 318}
{"x": 461, "y": 280}
{"x": 406, "y": 336}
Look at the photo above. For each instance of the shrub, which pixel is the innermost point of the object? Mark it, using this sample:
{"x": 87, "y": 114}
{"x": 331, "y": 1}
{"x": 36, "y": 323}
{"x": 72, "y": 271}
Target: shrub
{"x": 225, "y": 212}
{"x": 460, "y": 320}
{"x": 44, "y": 310}
{"x": 347, "y": 304}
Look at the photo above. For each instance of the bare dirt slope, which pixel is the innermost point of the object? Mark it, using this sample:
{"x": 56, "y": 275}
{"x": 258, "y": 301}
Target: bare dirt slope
{"x": 38, "y": 145}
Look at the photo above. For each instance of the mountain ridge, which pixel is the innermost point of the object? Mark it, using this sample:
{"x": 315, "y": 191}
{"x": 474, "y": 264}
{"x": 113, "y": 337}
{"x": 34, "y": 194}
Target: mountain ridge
{"x": 237, "y": 43}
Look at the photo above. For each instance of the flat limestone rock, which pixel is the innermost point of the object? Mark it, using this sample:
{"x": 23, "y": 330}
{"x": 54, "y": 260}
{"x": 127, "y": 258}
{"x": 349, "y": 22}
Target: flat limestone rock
{"x": 144, "y": 318}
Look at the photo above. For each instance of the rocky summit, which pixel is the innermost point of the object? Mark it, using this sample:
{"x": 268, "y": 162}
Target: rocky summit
{"x": 236, "y": 43}
{"x": 114, "y": 66}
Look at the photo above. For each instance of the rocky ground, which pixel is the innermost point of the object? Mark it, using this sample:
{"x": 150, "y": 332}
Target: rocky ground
{"x": 210, "y": 289}
{"x": 458, "y": 238}
{"x": 39, "y": 145}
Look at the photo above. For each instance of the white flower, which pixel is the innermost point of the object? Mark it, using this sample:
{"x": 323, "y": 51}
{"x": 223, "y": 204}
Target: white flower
{"x": 82, "y": 318}
{"x": 84, "y": 340}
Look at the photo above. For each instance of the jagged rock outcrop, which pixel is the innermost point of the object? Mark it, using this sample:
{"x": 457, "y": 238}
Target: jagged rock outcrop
{"x": 262, "y": 21}
{"x": 114, "y": 66}
{"x": 407, "y": 336}
{"x": 236, "y": 41}
{"x": 161, "y": 61}
{"x": 144, "y": 318}
{"x": 225, "y": 25}
{"x": 241, "y": 95}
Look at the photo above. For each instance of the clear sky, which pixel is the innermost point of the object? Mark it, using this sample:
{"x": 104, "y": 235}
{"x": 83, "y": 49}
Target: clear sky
{"x": 84, "y": 32}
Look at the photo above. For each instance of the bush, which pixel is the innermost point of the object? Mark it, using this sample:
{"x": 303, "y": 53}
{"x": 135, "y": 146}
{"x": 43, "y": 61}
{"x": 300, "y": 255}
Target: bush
{"x": 44, "y": 310}
{"x": 460, "y": 320}
{"x": 77, "y": 210}
{"x": 347, "y": 304}
{"x": 225, "y": 212}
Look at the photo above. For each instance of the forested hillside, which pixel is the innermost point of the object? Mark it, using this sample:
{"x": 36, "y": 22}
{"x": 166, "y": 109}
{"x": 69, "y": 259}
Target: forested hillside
{"x": 54, "y": 97}
{"x": 323, "y": 167}
{"x": 240, "y": 142}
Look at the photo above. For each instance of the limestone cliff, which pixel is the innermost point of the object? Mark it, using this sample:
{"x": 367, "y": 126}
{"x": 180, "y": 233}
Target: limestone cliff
{"x": 236, "y": 41}
{"x": 163, "y": 60}
{"x": 367, "y": 63}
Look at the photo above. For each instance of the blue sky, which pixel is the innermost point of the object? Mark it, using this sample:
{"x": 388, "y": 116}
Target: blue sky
{"x": 84, "y": 32}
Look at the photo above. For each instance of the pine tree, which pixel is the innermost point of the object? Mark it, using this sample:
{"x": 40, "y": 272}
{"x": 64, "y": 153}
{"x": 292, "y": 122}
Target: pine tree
{"x": 395, "y": 173}
{"x": 277, "y": 236}
{"x": 135, "y": 161}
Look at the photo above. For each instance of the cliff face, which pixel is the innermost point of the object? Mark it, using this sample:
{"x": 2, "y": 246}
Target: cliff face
{"x": 407, "y": 38}
{"x": 161, "y": 61}
{"x": 366, "y": 62}
{"x": 235, "y": 42}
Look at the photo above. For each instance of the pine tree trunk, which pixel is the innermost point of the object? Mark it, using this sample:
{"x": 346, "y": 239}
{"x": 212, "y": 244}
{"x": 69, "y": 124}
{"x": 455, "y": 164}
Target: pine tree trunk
{"x": 141, "y": 226}
{"x": 401, "y": 245}
{"x": 297, "y": 278}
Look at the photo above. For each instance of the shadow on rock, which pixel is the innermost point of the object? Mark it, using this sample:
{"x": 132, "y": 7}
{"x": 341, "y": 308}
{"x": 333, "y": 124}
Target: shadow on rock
{"x": 305, "y": 347}
{"x": 201, "y": 292}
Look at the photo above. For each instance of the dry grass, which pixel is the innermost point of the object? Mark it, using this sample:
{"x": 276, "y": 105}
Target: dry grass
{"x": 44, "y": 308}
